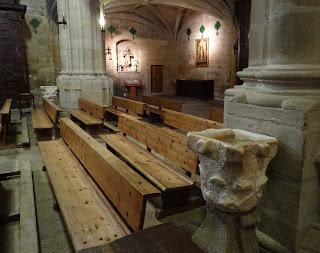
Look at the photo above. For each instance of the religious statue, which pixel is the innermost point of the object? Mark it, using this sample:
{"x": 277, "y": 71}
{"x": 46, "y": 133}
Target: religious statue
{"x": 127, "y": 61}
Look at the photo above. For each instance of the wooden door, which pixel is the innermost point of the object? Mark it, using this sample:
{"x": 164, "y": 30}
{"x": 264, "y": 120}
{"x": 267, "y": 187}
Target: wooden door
{"x": 12, "y": 58}
{"x": 156, "y": 78}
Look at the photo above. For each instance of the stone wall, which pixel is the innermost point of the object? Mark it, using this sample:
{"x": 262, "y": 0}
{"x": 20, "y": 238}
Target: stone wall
{"x": 222, "y": 60}
{"x": 42, "y": 48}
{"x": 155, "y": 47}
{"x": 150, "y": 47}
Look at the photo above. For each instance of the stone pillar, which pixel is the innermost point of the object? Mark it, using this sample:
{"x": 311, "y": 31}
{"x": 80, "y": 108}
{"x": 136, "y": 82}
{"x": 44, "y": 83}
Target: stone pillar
{"x": 232, "y": 170}
{"x": 281, "y": 97}
{"x": 83, "y": 72}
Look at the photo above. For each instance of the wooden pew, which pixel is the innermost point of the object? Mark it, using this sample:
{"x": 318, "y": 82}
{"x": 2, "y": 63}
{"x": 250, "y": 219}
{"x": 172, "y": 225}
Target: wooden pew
{"x": 91, "y": 219}
{"x": 45, "y": 121}
{"x": 160, "y": 174}
{"x": 89, "y": 115}
{"x": 173, "y": 185}
{"x": 5, "y": 120}
{"x": 216, "y": 113}
{"x": 169, "y": 144}
{"x": 123, "y": 105}
{"x": 166, "y": 142}
{"x": 187, "y": 122}
{"x": 161, "y": 102}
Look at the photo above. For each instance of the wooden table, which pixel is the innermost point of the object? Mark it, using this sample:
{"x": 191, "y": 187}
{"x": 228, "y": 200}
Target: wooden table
{"x": 133, "y": 89}
{"x": 165, "y": 238}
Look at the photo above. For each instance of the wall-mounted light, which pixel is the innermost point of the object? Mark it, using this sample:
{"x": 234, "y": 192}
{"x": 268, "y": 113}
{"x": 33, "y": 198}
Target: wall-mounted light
{"x": 63, "y": 22}
{"x": 102, "y": 22}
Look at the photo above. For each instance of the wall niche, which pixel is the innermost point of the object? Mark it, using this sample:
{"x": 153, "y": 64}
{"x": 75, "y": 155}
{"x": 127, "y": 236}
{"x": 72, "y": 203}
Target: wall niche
{"x": 128, "y": 57}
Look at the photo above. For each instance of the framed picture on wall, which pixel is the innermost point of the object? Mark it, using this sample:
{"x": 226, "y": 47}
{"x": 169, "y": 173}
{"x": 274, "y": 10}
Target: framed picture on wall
{"x": 202, "y": 53}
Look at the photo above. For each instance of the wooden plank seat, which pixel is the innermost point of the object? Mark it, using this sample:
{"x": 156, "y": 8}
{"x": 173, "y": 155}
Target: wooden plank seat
{"x": 173, "y": 147}
{"x": 162, "y": 103}
{"x": 188, "y": 122}
{"x": 45, "y": 121}
{"x": 5, "y": 120}
{"x": 89, "y": 216}
{"x": 90, "y": 115}
{"x": 166, "y": 142}
{"x": 160, "y": 174}
{"x": 90, "y": 220}
{"x": 123, "y": 105}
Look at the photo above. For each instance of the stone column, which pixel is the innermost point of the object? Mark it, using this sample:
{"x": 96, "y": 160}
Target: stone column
{"x": 232, "y": 170}
{"x": 83, "y": 72}
{"x": 281, "y": 97}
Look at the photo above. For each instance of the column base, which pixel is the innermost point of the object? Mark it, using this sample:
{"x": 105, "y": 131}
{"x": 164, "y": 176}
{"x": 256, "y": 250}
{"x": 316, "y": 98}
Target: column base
{"x": 227, "y": 233}
{"x": 290, "y": 203}
{"x": 94, "y": 87}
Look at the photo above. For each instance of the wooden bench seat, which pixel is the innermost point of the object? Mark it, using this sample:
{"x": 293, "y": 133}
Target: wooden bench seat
{"x": 161, "y": 175}
{"x": 127, "y": 106}
{"x": 188, "y": 122}
{"x": 6, "y": 108}
{"x": 86, "y": 118}
{"x": 90, "y": 220}
{"x": 162, "y": 103}
{"x": 5, "y": 120}
{"x": 40, "y": 120}
{"x": 89, "y": 115}
{"x": 83, "y": 211}
{"x": 45, "y": 121}
{"x": 170, "y": 145}
{"x": 166, "y": 142}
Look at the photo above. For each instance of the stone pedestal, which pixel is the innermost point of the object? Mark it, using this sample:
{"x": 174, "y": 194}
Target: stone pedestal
{"x": 280, "y": 97}
{"x": 83, "y": 72}
{"x": 232, "y": 170}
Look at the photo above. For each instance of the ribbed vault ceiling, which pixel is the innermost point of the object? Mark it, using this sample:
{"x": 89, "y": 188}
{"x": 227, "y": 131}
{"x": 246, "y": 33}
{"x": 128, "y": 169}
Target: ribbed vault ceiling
{"x": 167, "y": 15}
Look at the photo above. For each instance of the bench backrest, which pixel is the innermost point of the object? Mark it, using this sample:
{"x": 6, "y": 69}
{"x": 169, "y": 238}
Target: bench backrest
{"x": 216, "y": 113}
{"x": 163, "y": 102}
{"x": 93, "y": 109}
{"x": 170, "y": 144}
{"x": 129, "y": 105}
{"x": 6, "y": 106}
{"x": 125, "y": 188}
{"x": 52, "y": 110}
{"x": 187, "y": 122}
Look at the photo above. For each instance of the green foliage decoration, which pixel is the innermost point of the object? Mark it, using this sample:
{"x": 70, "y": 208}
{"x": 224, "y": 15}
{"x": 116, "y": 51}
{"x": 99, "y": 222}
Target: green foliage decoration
{"x": 111, "y": 29}
{"x": 133, "y": 32}
{"x": 188, "y": 32}
{"x": 35, "y": 23}
{"x": 202, "y": 29}
{"x": 217, "y": 26}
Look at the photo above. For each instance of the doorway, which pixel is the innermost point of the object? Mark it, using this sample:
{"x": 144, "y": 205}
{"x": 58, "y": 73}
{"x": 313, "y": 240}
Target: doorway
{"x": 157, "y": 78}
